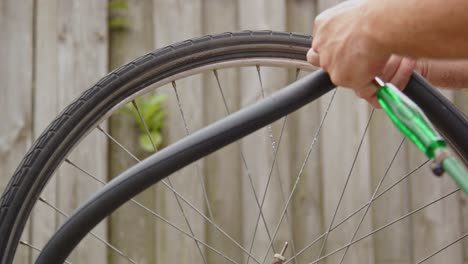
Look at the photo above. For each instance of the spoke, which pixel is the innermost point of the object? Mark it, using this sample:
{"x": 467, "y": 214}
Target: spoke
{"x": 346, "y": 184}
{"x": 273, "y": 166}
{"x": 26, "y": 244}
{"x": 378, "y": 196}
{"x": 212, "y": 223}
{"x": 84, "y": 171}
{"x": 383, "y": 227}
{"x": 263, "y": 200}
{"x": 372, "y": 198}
{"x": 291, "y": 237}
{"x": 362, "y": 207}
{"x": 124, "y": 148}
{"x": 298, "y": 71}
{"x": 100, "y": 239}
{"x": 183, "y": 232}
{"x": 270, "y": 132}
{"x": 117, "y": 143}
{"x": 442, "y": 249}
{"x": 170, "y": 183}
{"x": 244, "y": 161}
{"x": 135, "y": 105}
{"x": 197, "y": 167}
{"x": 167, "y": 221}
{"x": 290, "y": 228}
{"x": 301, "y": 171}
{"x": 293, "y": 245}
{"x": 197, "y": 211}
{"x": 199, "y": 174}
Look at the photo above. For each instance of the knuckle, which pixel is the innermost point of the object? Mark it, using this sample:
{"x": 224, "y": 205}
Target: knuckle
{"x": 336, "y": 79}
{"x": 339, "y": 79}
{"x": 326, "y": 67}
{"x": 358, "y": 93}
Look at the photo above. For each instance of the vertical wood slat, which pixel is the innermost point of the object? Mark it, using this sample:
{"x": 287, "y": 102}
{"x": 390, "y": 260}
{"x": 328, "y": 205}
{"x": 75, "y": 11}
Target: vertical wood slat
{"x": 16, "y": 73}
{"x": 223, "y": 175}
{"x": 343, "y": 133}
{"x": 341, "y": 137}
{"x": 307, "y": 208}
{"x": 175, "y": 21}
{"x": 392, "y": 245}
{"x": 82, "y": 57}
{"x": 439, "y": 224}
{"x": 258, "y": 146}
{"x": 461, "y": 100}
{"x": 71, "y": 55}
{"x": 131, "y": 229}
{"x": 44, "y": 219}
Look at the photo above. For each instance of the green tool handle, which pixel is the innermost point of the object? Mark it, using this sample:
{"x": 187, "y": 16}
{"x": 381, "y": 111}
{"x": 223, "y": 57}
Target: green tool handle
{"x": 456, "y": 172}
{"x": 414, "y": 124}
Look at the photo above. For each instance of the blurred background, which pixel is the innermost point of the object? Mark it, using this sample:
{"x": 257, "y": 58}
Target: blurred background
{"x": 53, "y": 50}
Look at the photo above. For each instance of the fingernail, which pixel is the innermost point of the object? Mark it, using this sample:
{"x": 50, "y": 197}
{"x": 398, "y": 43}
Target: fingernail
{"x": 310, "y": 54}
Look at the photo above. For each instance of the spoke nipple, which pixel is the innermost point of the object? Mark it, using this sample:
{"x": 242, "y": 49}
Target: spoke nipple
{"x": 440, "y": 156}
{"x": 279, "y": 258}
{"x": 437, "y": 169}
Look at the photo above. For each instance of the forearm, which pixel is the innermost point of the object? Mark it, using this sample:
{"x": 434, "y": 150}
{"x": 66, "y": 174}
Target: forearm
{"x": 444, "y": 73}
{"x": 416, "y": 27}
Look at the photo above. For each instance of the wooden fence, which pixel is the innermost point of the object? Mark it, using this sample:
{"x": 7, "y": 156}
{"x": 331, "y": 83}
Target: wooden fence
{"x": 52, "y": 50}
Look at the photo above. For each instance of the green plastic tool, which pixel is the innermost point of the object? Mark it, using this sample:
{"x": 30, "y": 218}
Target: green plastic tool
{"x": 412, "y": 122}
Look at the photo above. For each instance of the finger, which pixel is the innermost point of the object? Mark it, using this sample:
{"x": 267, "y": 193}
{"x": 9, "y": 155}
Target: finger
{"x": 367, "y": 91}
{"x": 313, "y": 57}
{"x": 403, "y": 73}
{"x": 391, "y": 68}
{"x": 374, "y": 102}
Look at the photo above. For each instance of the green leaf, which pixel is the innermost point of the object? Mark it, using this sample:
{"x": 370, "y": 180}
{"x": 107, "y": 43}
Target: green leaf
{"x": 146, "y": 144}
{"x": 118, "y": 4}
{"x": 119, "y": 23}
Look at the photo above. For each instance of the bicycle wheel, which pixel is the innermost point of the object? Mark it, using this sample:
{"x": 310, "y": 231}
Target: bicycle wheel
{"x": 158, "y": 68}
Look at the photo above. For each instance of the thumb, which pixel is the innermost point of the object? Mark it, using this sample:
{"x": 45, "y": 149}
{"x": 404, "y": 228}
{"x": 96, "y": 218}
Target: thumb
{"x": 313, "y": 58}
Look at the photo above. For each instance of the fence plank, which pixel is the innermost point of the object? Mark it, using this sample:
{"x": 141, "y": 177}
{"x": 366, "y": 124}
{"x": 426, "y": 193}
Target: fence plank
{"x": 82, "y": 55}
{"x": 258, "y": 147}
{"x": 461, "y": 100}
{"x": 44, "y": 221}
{"x": 16, "y": 51}
{"x": 223, "y": 168}
{"x": 72, "y": 54}
{"x": 440, "y": 223}
{"x": 175, "y": 21}
{"x": 392, "y": 245}
{"x": 131, "y": 229}
{"x": 307, "y": 208}
{"x": 325, "y": 4}
{"x": 347, "y": 121}
{"x": 342, "y": 134}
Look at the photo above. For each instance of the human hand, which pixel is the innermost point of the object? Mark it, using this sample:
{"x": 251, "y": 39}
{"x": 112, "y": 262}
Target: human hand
{"x": 343, "y": 47}
{"x": 397, "y": 71}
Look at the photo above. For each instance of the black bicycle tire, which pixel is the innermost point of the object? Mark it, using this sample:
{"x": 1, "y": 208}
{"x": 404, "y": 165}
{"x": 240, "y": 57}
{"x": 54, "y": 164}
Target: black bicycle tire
{"x": 178, "y": 155}
{"x": 65, "y": 131}
{"x": 160, "y": 165}
{"x": 450, "y": 121}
